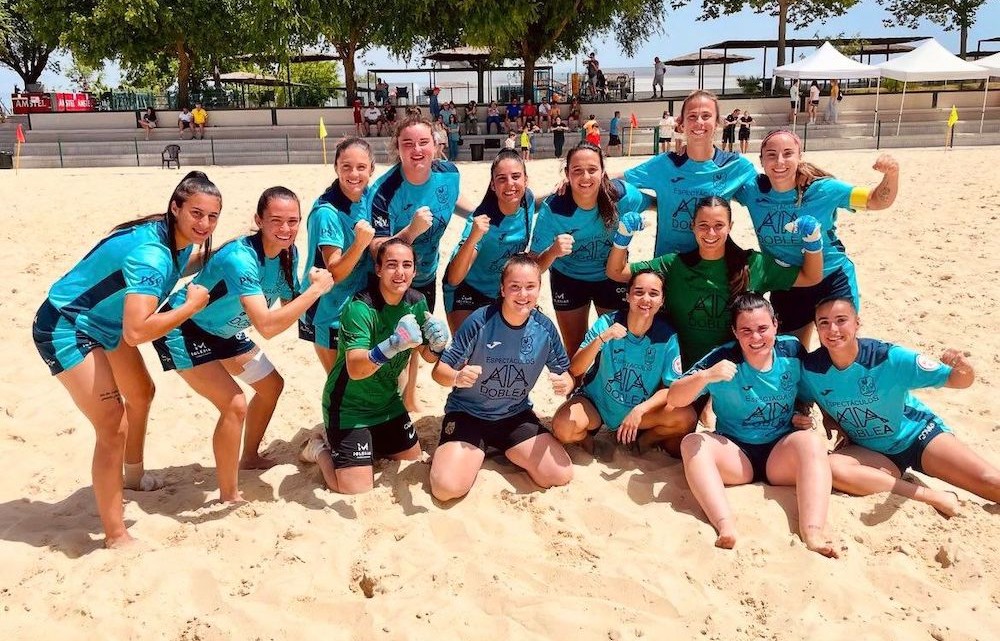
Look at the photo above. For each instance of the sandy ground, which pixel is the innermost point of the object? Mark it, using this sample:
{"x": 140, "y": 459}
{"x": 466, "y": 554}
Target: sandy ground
{"x": 623, "y": 552}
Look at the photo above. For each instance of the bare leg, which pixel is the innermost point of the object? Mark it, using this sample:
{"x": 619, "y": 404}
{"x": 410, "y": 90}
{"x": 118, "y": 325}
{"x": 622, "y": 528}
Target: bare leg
{"x": 212, "y": 381}
{"x": 800, "y": 459}
{"x": 408, "y": 384}
{"x": 952, "y": 461}
{"x": 861, "y": 472}
{"x": 454, "y": 469}
{"x": 805, "y": 335}
{"x": 666, "y": 428}
{"x": 574, "y": 420}
{"x": 544, "y": 459}
{"x": 573, "y": 327}
{"x": 711, "y": 462}
{"x": 91, "y": 384}
{"x": 327, "y": 357}
{"x": 347, "y": 480}
{"x": 456, "y": 318}
{"x": 137, "y": 391}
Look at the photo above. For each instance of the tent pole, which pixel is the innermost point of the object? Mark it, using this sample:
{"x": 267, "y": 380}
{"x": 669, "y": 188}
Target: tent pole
{"x": 982, "y": 115}
{"x": 899, "y": 121}
{"x": 878, "y": 87}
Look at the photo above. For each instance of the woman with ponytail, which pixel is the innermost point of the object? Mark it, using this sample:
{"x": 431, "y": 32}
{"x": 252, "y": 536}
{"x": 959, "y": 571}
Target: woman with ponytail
{"x": 93, "y": 318}
{"x": 702, "y": 282}
{"x": 790, "y": 188}
{"x": 245, "y": 277}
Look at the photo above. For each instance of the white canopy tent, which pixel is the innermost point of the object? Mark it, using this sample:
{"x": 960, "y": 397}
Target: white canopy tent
{"x": 992, "y": 63}
{"x": 827, "y": 62}
{"x": 931, "y": 61}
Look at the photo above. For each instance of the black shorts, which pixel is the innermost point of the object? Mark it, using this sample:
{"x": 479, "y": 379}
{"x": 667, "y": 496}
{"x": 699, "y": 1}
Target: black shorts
{"x": 501, "y": 435}
{"x": 430, "y": 293}
{"x": 912, "y": 455}
{"x": 666, "y": 138}
{"x": 185, "y": 124}
{"x": 814, "y": 102}
{"x": 614, "y": 140}
{"x": 466, "y": 298}
{"x": 190, "y": 346}
{"x": 307, "y": 332}
{"x": 744, "y": 134}
{"x": 360, "y": 446}
{"x": 570, "y": 293}
{"x": 728, "y": 135}
{"x": 796, "y": 307}
{"x": 758, "y": 453}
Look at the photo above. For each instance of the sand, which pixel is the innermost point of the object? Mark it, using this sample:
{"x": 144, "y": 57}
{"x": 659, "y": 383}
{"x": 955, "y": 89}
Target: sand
{"x": 623, "y": 552}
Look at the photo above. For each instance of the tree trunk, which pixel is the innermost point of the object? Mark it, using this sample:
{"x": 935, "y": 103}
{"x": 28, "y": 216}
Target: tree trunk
{"x": 183, "y": 74}
{"x": 782, "y": 28}
{"x": 528, "y": 81}
{"x": 964, "y": 31}
{"x": 346, "y": 51}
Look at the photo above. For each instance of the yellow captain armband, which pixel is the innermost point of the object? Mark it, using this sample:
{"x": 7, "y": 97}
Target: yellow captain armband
{"x": 859, "y": 198}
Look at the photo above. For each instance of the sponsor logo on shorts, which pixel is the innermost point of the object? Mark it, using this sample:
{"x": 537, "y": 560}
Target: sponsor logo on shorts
{"x": 926, "y": 431}
{"x": 380, "y": 221}
{"x": 464, "y": 299}
{"x": 410, "y": 430}
{"x": 200, "y": 349}
{"x": 927, "y": 363}
{"x": 449, "y": 427}
{"x": 362, "y": 450}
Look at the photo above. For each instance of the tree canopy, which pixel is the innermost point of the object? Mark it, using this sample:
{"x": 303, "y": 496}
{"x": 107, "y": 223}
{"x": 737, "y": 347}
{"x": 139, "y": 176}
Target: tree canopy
{"x": 24, "y": 48}
{"x": 949, "y": 14}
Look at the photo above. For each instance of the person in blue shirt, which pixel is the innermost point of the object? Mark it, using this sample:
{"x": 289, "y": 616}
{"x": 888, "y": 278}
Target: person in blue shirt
{"x": 680, "y": 181}
{"x": 790, "y": 188}
{"x": 493, "y": 363}
{"x": 414, "y": 201}
{"x": 340, "y": 230}
{"x": 93, "y": 318}
{"x": 627, "y": 362}
{"x": 754, "y": 383}
{"x": 245, "y": 277}
{"x": 500, "y": 227}
{"x": 572, "y": 236}
{"x": 614, "y": 134}
{"x": 863, "y": 386}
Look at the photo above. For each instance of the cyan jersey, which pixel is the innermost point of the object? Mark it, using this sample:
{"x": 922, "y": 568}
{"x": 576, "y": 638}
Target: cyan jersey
{"x": 629, "y": 370}
{"x": 238, "y": 269}
{"x": 512, "y": 359}
{"x": 394, "y": 201}
{"x": 507, "y": 235}
{"x": 771, "y": 210}
{"x": 614, "y": 127}
{"x": 134, "y": 260}
{"x": 755, "y": 407}
{"x": 680, "y": 183}
{"x": 871, "y": 399}
{"x": 591, "y": 238}
{"x": 331, "y": 224}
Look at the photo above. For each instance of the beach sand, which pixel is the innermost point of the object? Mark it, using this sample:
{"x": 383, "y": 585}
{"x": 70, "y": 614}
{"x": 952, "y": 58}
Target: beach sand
{"x": 623, "y": 552}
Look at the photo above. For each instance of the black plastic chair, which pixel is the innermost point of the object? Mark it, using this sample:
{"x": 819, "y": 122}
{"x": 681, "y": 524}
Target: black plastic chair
{"x": 170, "y": 154}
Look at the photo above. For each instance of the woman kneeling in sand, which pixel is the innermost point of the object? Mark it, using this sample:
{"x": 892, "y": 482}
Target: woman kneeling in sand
{"x": 864, "y": 386}
{"x": 754, "y": 383}
{"x": 496, "y": 358}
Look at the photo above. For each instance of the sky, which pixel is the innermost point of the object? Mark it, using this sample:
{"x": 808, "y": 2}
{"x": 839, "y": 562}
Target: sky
{"x": 684, "y": 34}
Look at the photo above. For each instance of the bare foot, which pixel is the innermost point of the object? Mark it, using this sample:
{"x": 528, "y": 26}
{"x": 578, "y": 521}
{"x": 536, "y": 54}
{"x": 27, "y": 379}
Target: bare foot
{"x": 233, "y": 498}
{"x": 256, "y": 462}
{"x": 136, "y": 478}
{"x": 122, "y": 541}
{"x": 818, "y": 542}
{"x": 946, "y": 503}
{"x": 727, "y": 535}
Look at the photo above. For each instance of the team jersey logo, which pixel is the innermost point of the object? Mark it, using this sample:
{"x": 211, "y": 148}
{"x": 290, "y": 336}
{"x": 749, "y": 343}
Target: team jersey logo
{"x": 708, "y": 311}
{"x": 442, "y": 194}
{"x": 527, "y": 345}
{"x": 867, "y": 386}
{"x": 774, "y": 223}
{"x": 927, "y": 363}
{"x": 786, "y": 381}
{"x": 864, "y": 423}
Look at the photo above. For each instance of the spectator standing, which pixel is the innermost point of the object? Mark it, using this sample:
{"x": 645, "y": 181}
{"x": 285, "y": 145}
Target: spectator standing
{"x": 667, "y": 124}
{"x": 745, "y": 121}
{"x": 440, "y": 133}
{"x": 813, "y": 102}
{"x": 574, "y": 115}
{"x": 659, "y": 70}
{"x": 833, "y": 105}
{"x": 454, "y": 137}
{"x": 555, "y": 111}
{"x": 433, "y": 104}
{"x": 593, "y": 66}
{"x": 729, "y": 130}
{"x": 559, "y": 130}
{"x": 358, "y": 118}
{"x": 793, "y": 97}
{"x": 614, "y": 133}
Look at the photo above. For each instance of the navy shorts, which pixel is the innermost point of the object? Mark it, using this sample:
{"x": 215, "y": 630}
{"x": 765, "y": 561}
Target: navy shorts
{"x": 570, "y": 293}
{"x": 430, "y": 293}
{"x": 501, "y": 434}
{"x": 360, "y": 446}
{"x": 190, "y": 346}
{"x": 744, "y": 134}
{"x": 796, "y": 307}
{"x": 465, "y": 298}
{"x": 758, "y": 453}
{"x": 728, "y": 134}
{"x": 322, "y": 336}
{"x": 910, "y": 457}
{"x": 614, "y": 140}
{"x": 60, "y": 344}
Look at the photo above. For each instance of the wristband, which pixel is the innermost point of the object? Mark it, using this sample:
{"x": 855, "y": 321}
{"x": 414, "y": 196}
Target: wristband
{"x": 376, "y": 356}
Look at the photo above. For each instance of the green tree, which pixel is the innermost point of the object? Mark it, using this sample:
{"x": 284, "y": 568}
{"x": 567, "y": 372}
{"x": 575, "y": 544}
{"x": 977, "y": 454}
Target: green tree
{"x": 318, "y": 78}
{"x": 798, "y": 13}
{"x": 949, "y": 14}
{"x": 529, "y": 30}
{"x": 87, "y": 77}
{"x": 23, "y": 47}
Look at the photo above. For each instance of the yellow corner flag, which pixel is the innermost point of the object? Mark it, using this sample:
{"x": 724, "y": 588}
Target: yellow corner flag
{"x": 953, "y": 118}
{"x": 322, "y": 137}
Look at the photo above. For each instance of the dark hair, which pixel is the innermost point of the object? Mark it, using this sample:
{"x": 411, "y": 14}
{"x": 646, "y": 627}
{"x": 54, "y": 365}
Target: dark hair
{"x": 805, "y": 172}
{"x": 641, "y": 272}
{"x": 701, "y": 93}
{"x": 346, "y": 144}
{"x": 409, "y": 120}
{"x": 195, "y": 182}
{"x": 521, "y": 259}
{"x": 285, "y": 257}
{"x": 607, "y": 200}
{"x": 748, "y": 302}
{"x": 735, "y": 257}
{"x": 835, "y": 299}
{"x": 392, "y": 242}
{"x": 491, "y": 196}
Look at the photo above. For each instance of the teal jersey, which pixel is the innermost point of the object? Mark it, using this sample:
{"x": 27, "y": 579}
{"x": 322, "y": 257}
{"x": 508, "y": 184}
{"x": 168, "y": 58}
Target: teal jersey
{"x": 238, "y": 269}
{"x": 755, "y": 407}
{"x": 591, "y": 237}
{"x": 331, "y": 224}
{"x": 511, "y": 358}
{"x": 771, "y": 210}
{"x": 507, "y": 235}
{"x": 680, "y": 183}
{"x": 614, "y": 127}
{"x": 134, "y": 260}
{"x": 394, "y": 201}
{"x": 629, "y": 370}
{"x": 871, "y": 398}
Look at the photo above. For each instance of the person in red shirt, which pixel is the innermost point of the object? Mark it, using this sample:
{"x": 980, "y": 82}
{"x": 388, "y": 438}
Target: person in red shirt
{"x": 357, "y": 117}
{"x": 529, "y": 112}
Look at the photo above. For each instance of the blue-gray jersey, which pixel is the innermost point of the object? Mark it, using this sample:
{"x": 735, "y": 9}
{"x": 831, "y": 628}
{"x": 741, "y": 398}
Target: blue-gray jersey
{"x": 591, "y": 237}
{"x": 756, "y": 406}
{"x": 134, "y": 260}
{"x": 512, "y": 359}
{"x": 240, "y": 268}
{"x": 680, "y": 183}
{"x": 394, "y": 201}
{"x": 331, "y": 224}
